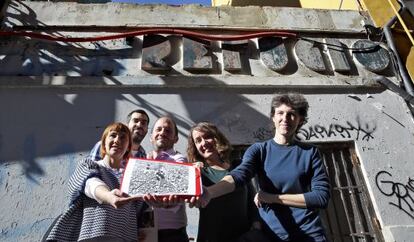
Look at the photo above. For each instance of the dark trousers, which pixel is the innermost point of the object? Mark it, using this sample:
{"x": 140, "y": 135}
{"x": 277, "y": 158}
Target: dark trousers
{"x": 173, "y": 235}
{"x": 294, "y": 237}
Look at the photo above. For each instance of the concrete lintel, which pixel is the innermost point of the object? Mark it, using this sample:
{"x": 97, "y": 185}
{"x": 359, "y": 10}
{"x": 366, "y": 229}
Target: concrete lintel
{"x": 69, "y": 14}
{"x": 7, "y": 82}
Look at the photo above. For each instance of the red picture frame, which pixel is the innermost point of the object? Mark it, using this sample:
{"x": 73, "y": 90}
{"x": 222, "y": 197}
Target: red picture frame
{"x": 161, "y": 178}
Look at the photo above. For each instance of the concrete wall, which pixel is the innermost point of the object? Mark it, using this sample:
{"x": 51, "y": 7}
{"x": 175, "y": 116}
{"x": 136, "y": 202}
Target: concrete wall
{"x": 56, "y": 99}
{"x": 44, "y": 133}
{"x": 327, "y": 4}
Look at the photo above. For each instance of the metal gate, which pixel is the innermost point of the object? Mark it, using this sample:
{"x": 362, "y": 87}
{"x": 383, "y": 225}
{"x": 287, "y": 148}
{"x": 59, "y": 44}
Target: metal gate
{"x": 350, "y": 215}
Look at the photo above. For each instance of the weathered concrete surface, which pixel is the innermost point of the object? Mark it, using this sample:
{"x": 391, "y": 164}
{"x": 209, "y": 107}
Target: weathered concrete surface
{"x": 46, "y": 131}
{"x": 188, "y": 82}
{"x": 56, "y": 99}
{"x": 28, "y": 183}
{"x": 403, "y": 234}
{"x": 118, "y": 62}
{"x": 39, "y": 14}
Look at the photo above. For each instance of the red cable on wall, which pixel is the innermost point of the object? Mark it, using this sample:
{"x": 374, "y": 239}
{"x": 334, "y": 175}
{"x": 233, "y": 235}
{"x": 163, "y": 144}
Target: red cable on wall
{"x": 188, "y": 33}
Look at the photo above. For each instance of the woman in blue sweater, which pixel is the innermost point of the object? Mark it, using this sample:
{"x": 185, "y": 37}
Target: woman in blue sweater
{"x": 292, "y": 179}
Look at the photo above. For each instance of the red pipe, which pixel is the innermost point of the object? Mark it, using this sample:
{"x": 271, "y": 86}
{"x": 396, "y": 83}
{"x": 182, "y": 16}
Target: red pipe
{"x": 150, "y": 31}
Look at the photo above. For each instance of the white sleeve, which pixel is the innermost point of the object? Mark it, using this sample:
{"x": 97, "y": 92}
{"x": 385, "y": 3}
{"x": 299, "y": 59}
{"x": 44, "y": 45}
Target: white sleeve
{"x": 178, "y": 157}
{"x": 90, "y": 186}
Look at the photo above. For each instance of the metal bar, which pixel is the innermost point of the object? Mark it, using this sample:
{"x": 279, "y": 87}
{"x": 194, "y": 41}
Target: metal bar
{"x": 329, "y": 212}
{"x": 367, "y": 206}
{"x": 393, "y": 87}
{"x": 335, "y": 226}
{"x": 408, "y": 84}
{"x": 341, "y": 193}
{"x": 354, "y": 200}
{"x": 362, "y": 234}
{"x": 342, "y": 204}
{"x": 401, "y": 20}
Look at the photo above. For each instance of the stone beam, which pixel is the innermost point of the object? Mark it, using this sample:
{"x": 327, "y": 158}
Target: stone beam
{"x": 318, "y": 83}
{"x": 69, "y": 14}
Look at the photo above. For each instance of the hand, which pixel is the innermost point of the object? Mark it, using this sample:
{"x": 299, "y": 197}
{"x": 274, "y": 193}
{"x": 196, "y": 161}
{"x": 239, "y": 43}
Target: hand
{"x": 170, "y": 201}
{"x": 161, "y": 201}
{"x": 198, "y": 164}
{"x": 150, "y": 155}
{"x": 152, "y": 200}
{"x": 118, "y": 199}
{"x": 193, "y": 201}
{"x": 199, "y": 202}
{"x": 264, "y": 197}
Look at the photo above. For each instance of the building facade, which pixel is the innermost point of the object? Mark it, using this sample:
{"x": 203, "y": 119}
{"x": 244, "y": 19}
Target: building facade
{"x": 201, "y": 63}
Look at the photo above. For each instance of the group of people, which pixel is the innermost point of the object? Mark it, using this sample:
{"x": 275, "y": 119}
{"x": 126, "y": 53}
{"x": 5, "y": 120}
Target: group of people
{"x": 292, "y": 184}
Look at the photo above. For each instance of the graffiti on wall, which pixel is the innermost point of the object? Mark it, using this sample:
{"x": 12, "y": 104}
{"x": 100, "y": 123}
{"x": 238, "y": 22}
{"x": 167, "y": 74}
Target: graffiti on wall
{"x": 262, "y": 134}
{"x": 403, "y": 193}
{"x": 355, "y": 130}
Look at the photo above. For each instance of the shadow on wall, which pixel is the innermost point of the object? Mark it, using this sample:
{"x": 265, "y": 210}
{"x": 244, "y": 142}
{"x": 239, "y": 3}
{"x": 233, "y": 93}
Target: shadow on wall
{"x": 50, "y": 122}
{"x": 48, "y": 58}
{"x": 44, "y": 121}
{"x": 54, "y": 122}
{"x": 226, "y": 107}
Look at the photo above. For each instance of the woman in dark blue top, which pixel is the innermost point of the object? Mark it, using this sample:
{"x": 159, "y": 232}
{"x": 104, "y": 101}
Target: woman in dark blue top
{"x": 292, "y": 179}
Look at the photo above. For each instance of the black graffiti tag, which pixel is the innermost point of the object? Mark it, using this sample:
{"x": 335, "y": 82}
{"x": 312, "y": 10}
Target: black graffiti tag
{"x": 262, "y": 134}
{"x": 336, "y": 130}
{"x": 403, "y": 192}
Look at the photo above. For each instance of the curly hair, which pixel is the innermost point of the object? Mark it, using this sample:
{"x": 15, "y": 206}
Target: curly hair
{"x": 295, "y": 100}
{"x": 223, "y": 145}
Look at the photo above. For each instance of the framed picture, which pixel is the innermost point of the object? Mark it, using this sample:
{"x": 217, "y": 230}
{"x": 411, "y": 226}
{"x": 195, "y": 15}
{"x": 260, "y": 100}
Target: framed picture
{"x": 162, "y": 178}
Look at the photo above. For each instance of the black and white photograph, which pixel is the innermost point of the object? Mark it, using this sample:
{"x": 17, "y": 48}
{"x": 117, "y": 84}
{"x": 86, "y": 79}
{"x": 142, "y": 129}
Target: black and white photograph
{"x": 144, "y": 176}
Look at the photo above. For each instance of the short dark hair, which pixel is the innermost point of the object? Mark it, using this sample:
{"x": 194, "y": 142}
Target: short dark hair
{"x": 141, "y": 111}
{"x": 295, "y": 100}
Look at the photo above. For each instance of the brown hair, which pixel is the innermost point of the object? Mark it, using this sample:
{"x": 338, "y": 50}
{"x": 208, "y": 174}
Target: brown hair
{"x": 295, "y": 100}
{"x": 118, "y": 127}
{"x": 223, "y": 145}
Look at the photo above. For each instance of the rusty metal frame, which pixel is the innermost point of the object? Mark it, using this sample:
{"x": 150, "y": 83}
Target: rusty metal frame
{"x": 350, "y": 215}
